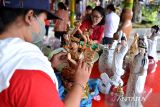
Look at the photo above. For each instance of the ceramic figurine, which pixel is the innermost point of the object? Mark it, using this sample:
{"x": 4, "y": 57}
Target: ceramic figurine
{"x": 117, "y": 64}
{"x": 106, "y": 58}
{"x": 137, "y": 78}
{"x": 152, "y": 48}
{"x": 105, "y": 84}
{"x": 131, "y": 52}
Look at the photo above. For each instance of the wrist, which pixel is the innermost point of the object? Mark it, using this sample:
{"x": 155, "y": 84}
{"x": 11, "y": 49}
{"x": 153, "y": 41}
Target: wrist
{"x": 79, "y": 85}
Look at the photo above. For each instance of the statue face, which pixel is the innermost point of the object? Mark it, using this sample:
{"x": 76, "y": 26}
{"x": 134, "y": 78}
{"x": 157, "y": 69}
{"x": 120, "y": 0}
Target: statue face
{"x": 74, "y": 45}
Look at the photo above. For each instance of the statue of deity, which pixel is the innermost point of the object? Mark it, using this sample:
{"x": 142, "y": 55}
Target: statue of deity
{"x": 117, "y": 64}
{"x": 137, "y": 77}
{"x": 152, "y": 48}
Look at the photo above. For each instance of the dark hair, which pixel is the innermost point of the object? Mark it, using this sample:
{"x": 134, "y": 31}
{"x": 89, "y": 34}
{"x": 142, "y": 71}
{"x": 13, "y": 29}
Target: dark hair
{"x": 61, "y": 5}
{"x": 88, "y": 8}
{"x": 156, "y": 27}
{"x": 9, "y": 15}
{"x": 102, "y": 12}
{"x": 111, "y": 7}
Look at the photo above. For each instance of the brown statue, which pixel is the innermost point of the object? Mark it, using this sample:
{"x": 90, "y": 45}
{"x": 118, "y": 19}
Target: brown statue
{"x": 126, "y": 21}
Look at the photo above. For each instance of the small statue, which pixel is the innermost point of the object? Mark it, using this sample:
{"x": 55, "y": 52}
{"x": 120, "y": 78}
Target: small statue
{"x": 117, "y": 64}
{"x": 152, "y": 48}
{"x": 131, "y": 52}
{"x": 120, "y": 91}
{"x": 105, "y": 83}
{"x": 137, "y": 77}
{"x": 106, "y": 58}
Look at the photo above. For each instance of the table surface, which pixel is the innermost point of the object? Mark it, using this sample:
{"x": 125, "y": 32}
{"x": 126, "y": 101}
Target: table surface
{"x": 152, "y": 81}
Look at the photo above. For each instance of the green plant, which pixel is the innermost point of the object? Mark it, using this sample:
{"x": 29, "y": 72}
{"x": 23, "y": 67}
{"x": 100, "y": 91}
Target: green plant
{"x": 150, "y": 13}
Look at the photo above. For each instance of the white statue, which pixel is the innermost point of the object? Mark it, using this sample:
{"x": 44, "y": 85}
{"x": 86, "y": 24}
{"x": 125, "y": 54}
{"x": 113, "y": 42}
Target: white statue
{"x": 106, "y": 58}
{"x": 104, "y": 84}
{"x": 152, "y": 46}
{"x": 137, "y": 78}
{"x": 117, "y": 64}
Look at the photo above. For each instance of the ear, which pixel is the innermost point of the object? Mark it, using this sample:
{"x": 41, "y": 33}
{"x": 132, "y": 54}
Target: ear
{"x": 29, "y": 17}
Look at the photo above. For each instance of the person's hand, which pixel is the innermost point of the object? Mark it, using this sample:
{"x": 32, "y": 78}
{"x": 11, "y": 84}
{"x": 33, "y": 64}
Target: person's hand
{"x": 82, "y": 73}
{"x": 118, "y": 48}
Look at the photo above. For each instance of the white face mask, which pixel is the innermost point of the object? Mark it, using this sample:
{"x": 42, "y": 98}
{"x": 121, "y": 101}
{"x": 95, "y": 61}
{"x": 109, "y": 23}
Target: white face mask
{"x": 37, "y": 37}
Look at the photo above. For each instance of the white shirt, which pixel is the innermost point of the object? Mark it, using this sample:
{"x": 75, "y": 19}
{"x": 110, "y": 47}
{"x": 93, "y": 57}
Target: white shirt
{"x": 111, "y": 24}
{"x": 15, "y": 54}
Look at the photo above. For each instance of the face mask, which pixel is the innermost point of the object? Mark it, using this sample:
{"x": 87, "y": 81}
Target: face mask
{"x": 37, "y": 37}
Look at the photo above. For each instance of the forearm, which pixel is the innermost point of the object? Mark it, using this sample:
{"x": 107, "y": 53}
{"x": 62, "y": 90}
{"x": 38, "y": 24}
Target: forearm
{"x": 73, "y": 98}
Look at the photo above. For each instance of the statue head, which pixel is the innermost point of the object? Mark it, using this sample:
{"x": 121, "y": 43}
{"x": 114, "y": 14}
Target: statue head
{"x": 119, "y": 36}
{"x": 142, "y": 45}
{"x": 155, "y": 29}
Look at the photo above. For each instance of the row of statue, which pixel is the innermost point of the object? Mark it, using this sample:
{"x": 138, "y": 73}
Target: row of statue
{"x": 116, "y": 57}
{"x": 113, "y": 62}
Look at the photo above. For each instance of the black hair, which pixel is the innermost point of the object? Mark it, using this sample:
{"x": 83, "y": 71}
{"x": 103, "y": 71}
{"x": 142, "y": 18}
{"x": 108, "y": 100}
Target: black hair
{"x": 88, "y": 8}
{"x": 156, "y": 27}
{"x": 102, "y": 12}
{"x": 123, "y": 38}
{"x": 61, "y": 5}
{"x": 111, "y": 7}
{"x": 9, "y": 15}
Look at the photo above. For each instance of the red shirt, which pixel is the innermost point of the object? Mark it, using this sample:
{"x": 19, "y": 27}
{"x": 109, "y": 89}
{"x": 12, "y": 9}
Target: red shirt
{"x": 30, "y": 88}
{"x": 47, "y": 22}
{"x": 97, "y": 30}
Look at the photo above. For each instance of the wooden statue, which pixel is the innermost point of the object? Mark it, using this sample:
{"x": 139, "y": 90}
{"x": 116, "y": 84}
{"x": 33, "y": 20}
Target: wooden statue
{"x": 132, "y": 51}
{"x": 126, "y": 22}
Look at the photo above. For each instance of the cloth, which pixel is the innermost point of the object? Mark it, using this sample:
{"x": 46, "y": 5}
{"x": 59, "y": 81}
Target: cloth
{"x": 111, "y": 24}
{"x": 97, "y": 31}
{"x": 47, "y": 22}
{"x": 15, "y": 54}
{"x": 30, "y": 88}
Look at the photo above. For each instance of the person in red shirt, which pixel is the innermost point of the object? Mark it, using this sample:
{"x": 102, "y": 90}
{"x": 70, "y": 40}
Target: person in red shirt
{"x": 95, "y": 24}
{"x": 26, "y": 76}
{"x": 47, "y": 23}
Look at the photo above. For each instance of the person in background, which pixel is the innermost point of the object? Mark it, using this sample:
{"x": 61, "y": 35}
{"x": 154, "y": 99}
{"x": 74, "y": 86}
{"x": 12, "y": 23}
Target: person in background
{"x": 60, "y": 27}
{"x": 47, "y": 23}
{"x": 111, "y": 24}
{"x": 87, "y": 13}
{"x": 94, "y": 25}
{"x": 26, "y": 76}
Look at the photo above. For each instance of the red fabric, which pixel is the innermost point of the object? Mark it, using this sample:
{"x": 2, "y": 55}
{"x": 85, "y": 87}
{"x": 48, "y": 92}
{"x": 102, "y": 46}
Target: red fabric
{"x": 47, "y": 22}
{"x": 97, "y": 30}
{"x": 30, "y": 88}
